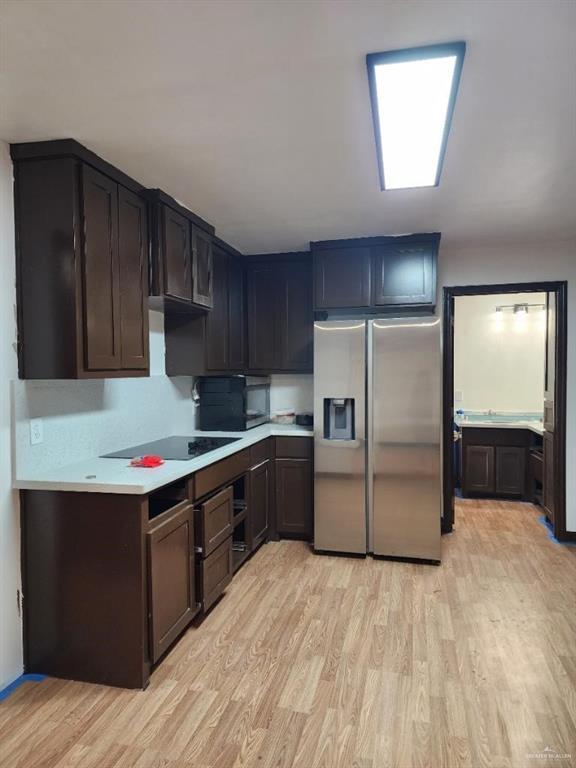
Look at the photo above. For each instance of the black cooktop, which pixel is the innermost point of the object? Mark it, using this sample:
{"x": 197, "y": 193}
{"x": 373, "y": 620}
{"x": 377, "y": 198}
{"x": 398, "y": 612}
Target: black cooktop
{"x": 174, "y": 448}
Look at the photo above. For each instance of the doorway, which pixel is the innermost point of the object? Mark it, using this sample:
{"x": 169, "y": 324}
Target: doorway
{"x": 553, "y": 442}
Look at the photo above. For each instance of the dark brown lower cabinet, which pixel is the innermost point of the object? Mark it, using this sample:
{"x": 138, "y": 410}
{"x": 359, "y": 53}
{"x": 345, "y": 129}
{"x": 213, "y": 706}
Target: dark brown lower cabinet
{"x": 498, "y": 461}
{"x": 110, "y": 580}
{"x": 215, "y": 573}
{"x": 172, "y": 590}
{"x": 494, "y": 469}
{"x": 548, "y": 475}
{"x": 85, "y": 587}
{"x": 259, "y": 485}
{"x": 478, "y": 469}
{"x": 294, "y": 498}
{"x": 215, "y": 520}
{"x": 510, "y": 470}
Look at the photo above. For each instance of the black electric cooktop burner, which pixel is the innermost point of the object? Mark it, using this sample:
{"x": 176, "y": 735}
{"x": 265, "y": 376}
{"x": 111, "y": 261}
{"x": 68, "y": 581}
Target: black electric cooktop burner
{"x": 174, "y": 448}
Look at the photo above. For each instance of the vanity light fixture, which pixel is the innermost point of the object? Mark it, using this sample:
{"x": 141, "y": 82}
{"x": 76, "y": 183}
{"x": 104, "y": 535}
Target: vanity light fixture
{"x": 519, "y": 308}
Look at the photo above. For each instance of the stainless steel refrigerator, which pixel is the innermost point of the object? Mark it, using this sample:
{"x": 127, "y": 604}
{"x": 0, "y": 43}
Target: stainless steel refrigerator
{"x": 377, "y": 415}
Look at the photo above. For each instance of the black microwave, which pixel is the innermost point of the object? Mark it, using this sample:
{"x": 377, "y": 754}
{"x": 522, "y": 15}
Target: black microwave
{"x": 232, "y": 403}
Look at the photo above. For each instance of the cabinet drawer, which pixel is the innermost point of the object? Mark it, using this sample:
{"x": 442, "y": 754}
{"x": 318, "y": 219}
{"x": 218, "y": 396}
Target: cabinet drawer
{"x": 215, "y": 518}
{"x": 217, "y": 475}
{"x": 260, "y": 452}
{"x": 294, "y": 447}
{"x": 216, "y": 573}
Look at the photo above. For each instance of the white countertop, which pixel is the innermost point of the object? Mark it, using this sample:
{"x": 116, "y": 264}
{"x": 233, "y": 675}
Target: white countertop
{"x": 534, "y": 426}
{"x": 99, "y": 475}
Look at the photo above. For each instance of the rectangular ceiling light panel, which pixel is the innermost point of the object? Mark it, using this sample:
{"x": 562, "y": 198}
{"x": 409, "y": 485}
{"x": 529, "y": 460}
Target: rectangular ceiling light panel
{"x": 413, "y": 92}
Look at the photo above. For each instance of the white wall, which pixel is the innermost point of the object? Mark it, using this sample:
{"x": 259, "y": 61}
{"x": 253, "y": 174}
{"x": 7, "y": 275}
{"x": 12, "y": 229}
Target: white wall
{"x": 526, "y": 262}
{"x": 82, "y": 419}
{"x": 10, "y": 622}
{"x": 499, "y": 357}
{"x": 292, "y": 391}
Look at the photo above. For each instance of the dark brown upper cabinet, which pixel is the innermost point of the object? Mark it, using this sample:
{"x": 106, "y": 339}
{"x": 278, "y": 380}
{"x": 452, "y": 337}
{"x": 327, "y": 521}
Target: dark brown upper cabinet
{"x": 133, "y": 252}
{"x": 403, "y": 275}
{"x": 212, "y": 342}
{"x": 181, "y": 262}
{"x": 342, "y": 278}
{"x": 237, "y": 346}
{"x": 202, "y": 262}
{"x": 177, "y": 254}
{"x": 376, "y": 274}
{"x": 82, "y": 253}
{"x": 280, "y": 317}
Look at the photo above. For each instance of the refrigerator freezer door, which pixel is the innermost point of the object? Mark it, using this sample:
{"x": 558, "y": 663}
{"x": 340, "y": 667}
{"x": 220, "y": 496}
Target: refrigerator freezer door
{"x": 405, "y": 450}
{"x": 340, "y": 436}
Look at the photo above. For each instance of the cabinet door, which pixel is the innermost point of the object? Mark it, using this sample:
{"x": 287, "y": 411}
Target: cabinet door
{"x": 510, "y": 470}
{"x": 216, "y": 520}
{"x": 133, "y": 258}
{"x": 202, "y": 258}
{"x": 216, "y": 573}
{"x": 100, "y": 272}
{"x": 548, "y": 472}
{"x": 294, "y": 497}
{"x": 479, "y": 469}
{"x": 217, "y": 321}
{"x": 176, "y": 254}
{"x": 403, "y": 275}
{"x": 342, "y": 278}
{"x": 236, "y": 316}
{"x": 259, "y": 501}
{"x": 295, "y": 317}
{"x": 262, "y": 314}
{"x": 171, "y": 581}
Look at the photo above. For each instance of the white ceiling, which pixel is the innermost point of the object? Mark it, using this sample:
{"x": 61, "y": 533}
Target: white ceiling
{"x": 256, "y": 113}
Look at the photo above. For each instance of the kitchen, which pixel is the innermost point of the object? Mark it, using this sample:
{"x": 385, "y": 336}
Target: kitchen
{"x": 230, "y": 468}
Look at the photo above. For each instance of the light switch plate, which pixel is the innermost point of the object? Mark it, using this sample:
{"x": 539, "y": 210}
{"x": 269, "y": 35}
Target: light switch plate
{"x": 36, "y": 431}
{"x": 458, "y": 396}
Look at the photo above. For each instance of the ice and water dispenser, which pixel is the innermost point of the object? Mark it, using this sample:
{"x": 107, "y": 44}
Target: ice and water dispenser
{"x": 339, "y": 418}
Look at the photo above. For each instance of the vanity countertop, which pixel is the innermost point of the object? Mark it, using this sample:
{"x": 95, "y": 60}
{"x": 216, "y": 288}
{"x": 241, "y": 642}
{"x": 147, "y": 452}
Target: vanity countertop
{"x": 534, "y": 426}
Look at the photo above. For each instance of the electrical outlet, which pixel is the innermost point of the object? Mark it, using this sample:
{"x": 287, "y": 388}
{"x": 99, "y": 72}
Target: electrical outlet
{"x": 36, "y": 431}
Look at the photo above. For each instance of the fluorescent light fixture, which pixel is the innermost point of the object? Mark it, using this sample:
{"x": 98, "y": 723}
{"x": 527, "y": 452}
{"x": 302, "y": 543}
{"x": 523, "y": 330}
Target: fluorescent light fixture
{"x": 413, "y": 92}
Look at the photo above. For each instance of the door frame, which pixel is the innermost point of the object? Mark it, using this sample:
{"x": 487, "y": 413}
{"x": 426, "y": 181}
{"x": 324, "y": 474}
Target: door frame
{"x": 560, "y": 288}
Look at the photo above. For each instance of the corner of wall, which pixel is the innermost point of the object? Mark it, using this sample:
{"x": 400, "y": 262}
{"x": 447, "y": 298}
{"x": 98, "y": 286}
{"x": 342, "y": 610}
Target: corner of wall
{"x": 11, "y": 651}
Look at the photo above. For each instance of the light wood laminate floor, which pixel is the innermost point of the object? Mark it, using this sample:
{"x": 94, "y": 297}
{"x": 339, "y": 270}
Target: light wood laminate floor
{"x": 342, "y": 663}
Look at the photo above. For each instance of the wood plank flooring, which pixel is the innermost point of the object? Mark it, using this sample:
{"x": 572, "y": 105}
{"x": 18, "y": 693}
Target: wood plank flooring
{"x": 321, "y": 662}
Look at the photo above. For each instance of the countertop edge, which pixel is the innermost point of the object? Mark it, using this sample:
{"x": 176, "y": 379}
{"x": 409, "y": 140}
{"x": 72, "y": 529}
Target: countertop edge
{"x": 73, "y": 477}
{"x": 536, "y": 429}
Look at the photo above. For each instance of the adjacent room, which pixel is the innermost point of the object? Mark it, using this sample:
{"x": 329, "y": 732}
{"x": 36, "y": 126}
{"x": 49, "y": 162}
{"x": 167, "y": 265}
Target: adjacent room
{"x": 287, "y": 383}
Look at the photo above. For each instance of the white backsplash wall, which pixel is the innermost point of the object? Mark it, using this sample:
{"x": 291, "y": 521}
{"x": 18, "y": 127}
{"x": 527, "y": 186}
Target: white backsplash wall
{"x": 82, "y": 419}
{"x": 292, "y": 391}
